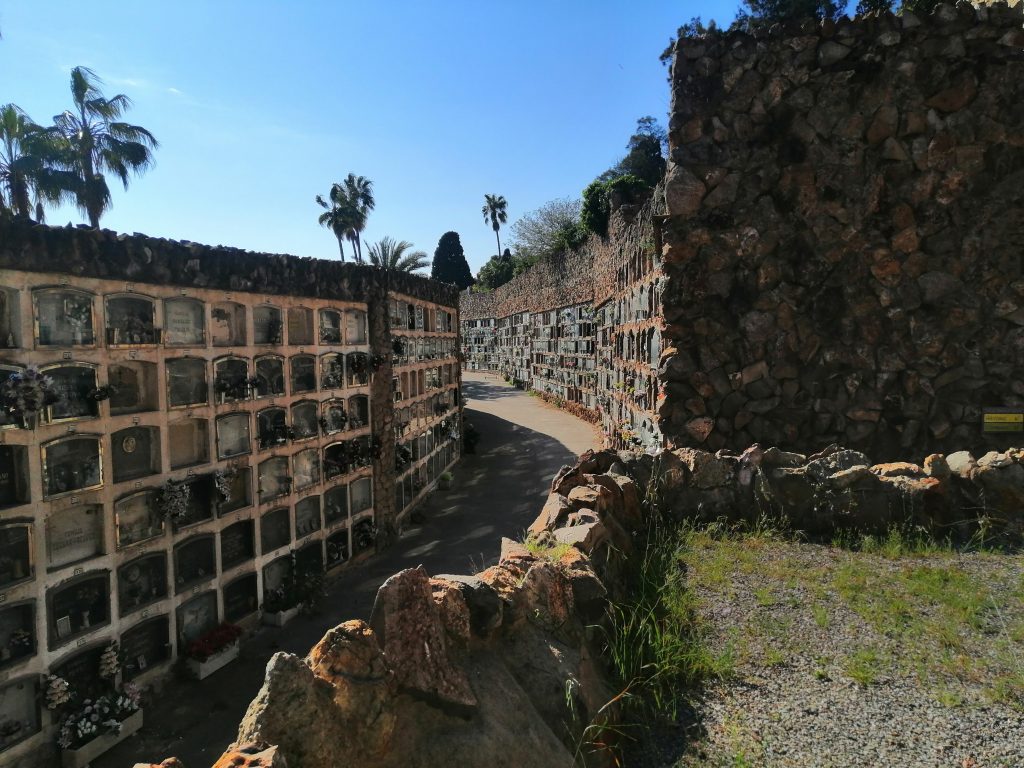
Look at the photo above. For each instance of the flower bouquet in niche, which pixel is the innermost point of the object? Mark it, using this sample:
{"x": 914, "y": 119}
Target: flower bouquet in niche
{"x": 25, "y": 393}
{"x": 96, "y": 717}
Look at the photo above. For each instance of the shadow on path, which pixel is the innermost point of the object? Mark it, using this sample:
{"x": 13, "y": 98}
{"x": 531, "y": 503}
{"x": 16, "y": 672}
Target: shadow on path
{"x": 497, "y": 492}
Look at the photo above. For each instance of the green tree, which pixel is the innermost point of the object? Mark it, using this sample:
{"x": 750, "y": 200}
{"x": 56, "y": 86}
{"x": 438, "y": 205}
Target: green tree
{"x": 765, "y": 12}
{"x": 396, "y": 256}
{"x": 551, "y": 228}
{"x": 96, "y": 142}
{"x": 495, "y": 212}
{"x": 338, "y": 215}
{"x": 450, "y": 265}
{"x": 359, "y": 191}
{"x": 600, "y": 197}
{"x": 27, "y": 152}
{"x": 496, "y": 272}
{"x": 646, "y": 158}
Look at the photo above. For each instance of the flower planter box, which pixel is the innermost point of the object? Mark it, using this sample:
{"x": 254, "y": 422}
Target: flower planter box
{"x": 280, "y": 618}
{"x": 203, "y": 669}
{"x": 85, "y": 754}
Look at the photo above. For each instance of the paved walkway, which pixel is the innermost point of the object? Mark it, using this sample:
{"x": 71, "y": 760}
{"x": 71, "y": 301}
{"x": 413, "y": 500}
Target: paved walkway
{"x": 497, "y": 492}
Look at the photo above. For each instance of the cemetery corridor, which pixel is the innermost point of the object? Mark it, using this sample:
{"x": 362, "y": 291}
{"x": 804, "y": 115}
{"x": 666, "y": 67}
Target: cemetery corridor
{"x": 496, "y": 492}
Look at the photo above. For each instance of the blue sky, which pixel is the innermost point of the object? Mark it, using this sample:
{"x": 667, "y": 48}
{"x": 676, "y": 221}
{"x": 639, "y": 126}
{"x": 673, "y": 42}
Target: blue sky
{"x": 260, "y": 105}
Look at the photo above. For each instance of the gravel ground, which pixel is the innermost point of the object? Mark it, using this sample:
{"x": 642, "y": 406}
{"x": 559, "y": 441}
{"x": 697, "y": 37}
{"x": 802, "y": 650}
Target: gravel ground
{"x": 853, "y": 659}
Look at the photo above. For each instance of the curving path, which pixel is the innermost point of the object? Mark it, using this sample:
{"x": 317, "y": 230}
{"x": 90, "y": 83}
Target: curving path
{"x": 497, "y": 491}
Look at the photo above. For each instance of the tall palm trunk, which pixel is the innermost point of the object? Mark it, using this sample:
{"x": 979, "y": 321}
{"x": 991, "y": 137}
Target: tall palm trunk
{"x": 499, "y": 241}
{"x": 341, "y": 246}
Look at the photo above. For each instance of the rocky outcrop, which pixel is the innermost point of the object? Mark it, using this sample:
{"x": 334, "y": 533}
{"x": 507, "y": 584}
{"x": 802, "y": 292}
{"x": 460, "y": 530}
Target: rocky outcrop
{"x": 501, "y": 669}
{"x": 846, "y": 208}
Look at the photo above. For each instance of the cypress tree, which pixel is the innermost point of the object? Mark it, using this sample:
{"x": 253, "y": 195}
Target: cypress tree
{"x": 450, "y": 265}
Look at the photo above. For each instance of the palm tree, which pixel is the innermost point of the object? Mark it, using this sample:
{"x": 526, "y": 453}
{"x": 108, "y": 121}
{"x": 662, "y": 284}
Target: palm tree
{"x": 27, "y": 152}
{"x": 391, "y": 255}
{"x": 97, "y": 142}
{"x": 359, "y": 192}
{"x": 338, "y": 216}
{"x": 495, "y": 213}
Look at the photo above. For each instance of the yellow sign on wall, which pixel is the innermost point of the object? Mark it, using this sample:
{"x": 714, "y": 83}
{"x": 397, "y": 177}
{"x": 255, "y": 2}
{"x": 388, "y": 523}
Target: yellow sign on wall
{"x": 1003, "y": 422}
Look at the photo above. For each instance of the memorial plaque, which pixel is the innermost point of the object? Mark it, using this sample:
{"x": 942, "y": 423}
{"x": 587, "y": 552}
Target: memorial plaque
{"x": 276, "y": 574}
{"x": 237, "y": 544}
{"x": 144, "y": 646}
{"x": 271, "y": 427}
{"x": 275, "y": 530}
{"x": 135, "y": 452}
{"x": 194, "y": 561}
{"x": 355, "y": 322}
{"x": 71, "y": 464}
{"x": 186, "y": 382}
{"x": 300, "y": 326}
{"x": 73, "y": 535}
{"x": 241, "y": 492}
{"x": 10, "y": 330}
{"x": 17, "y": 632}
{"x": 310, "y": 559}
{"x": 81, "y": 671}
{"x": 267, "y": 326}
{"x": 72, "y": 384}
{"x": 184, "y": 322}
{"x": 307, "y": 516}
{"x": 65, "y": 318}
{"x": 303, "y": 373}
{"x": 132, "y": 387}
{"x": 332, "y": 371}
{"x": 19, "y": 711}
{"x": 231, "y": 379}
{"x": 78, "y": 607}
{"x": 201, "y": 501}
{"x": 15, "y": 553}
{"x": 131, "y": 320}
{"x": 359, "y": 411}
{"x": 137, "y": 518}
{"x": 142, "y": 581}
{"x": 335, "y": 416}
{"x": 306, "y": 468}
{"x": 336, "y": 505}
{"x": 197, "y": 617}
{"x": 269, "y": 376}
{"x": 227, "y": 324}
{"x": 14, "y": 485}
{"x": 337, "y": 548}
{"x": 240, "y": 597}
{"x": 274, "y": 479}
{"x": 304, "y": 420}
{"x": 361, "y": 493}
{"x": 188, "y": 442}
{"x": 330, "y": 326}
{"x": 233, "y": 437}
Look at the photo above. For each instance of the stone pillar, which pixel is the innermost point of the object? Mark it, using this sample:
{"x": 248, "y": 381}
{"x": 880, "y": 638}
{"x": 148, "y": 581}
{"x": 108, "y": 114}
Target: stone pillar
{"x": 382, "y": 415}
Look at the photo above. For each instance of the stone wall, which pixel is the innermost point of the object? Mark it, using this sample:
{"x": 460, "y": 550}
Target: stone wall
{"x": 843, "y": 249}
{"x": 582, "y": 328}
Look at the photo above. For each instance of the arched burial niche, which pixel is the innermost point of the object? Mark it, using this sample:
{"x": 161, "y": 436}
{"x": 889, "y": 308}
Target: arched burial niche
{"x": 131, "y": 320}
{"x": 300, "y": 326}
{"x": 185, "y": 322}
{"x": 227, "y": 324}
{"x": 187, "y": 383}
{"x": 71, "y": 464}
{"x": 268, "y": 327}
{"x": 64, "y": 317}
{"x": 77, "y": 391}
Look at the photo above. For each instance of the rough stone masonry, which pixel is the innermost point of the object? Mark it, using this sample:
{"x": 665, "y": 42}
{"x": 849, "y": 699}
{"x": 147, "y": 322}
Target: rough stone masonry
{"x": 843, "y": 246}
